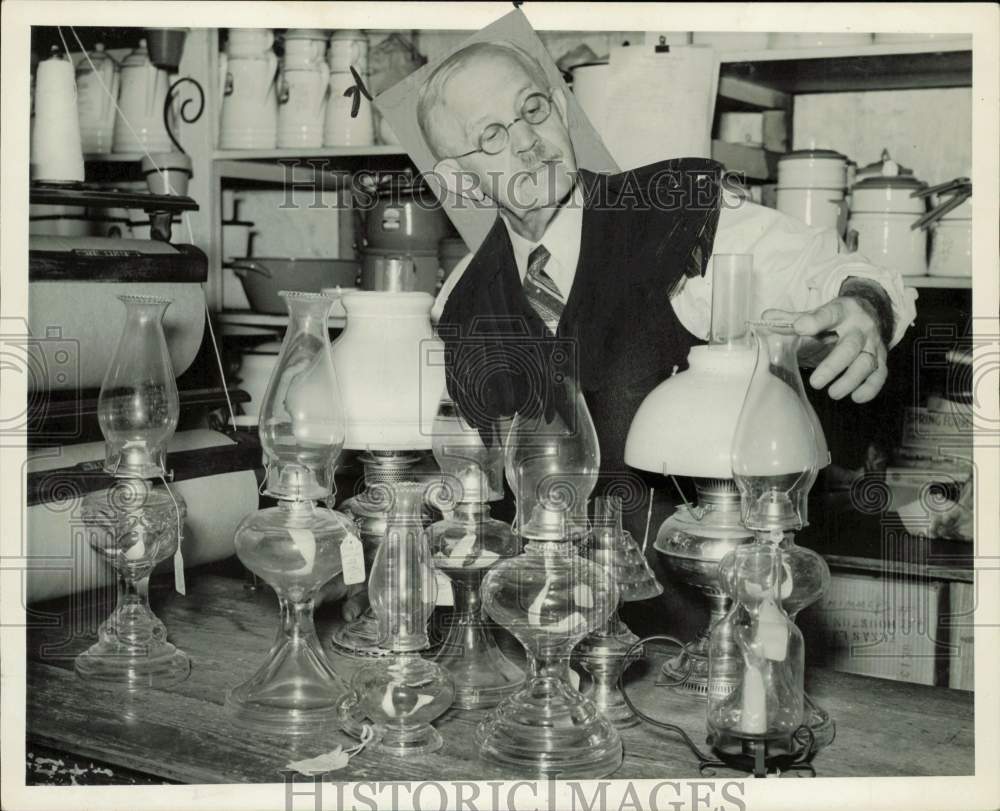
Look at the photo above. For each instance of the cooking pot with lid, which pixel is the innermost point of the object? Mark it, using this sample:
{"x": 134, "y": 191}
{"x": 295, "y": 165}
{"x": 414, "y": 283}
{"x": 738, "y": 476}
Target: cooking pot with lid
{"x": 406, "y": 217}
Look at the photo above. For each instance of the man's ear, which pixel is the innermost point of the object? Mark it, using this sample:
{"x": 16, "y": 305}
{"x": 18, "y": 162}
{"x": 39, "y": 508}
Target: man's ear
{"x": 449, "y": 178}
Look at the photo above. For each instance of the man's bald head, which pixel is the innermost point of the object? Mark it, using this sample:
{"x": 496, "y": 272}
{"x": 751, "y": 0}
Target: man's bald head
{"x": 432, "y": 106}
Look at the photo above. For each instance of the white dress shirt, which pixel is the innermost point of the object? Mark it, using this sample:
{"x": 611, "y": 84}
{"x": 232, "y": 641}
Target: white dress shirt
{"x": 796, "y": 267}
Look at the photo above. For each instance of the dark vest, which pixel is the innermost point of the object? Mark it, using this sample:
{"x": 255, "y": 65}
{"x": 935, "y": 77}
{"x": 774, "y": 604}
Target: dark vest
{"x": 643, "y": 232}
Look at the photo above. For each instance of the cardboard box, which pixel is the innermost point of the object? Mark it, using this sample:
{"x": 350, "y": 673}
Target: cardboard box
{"x": 885, "y": 626}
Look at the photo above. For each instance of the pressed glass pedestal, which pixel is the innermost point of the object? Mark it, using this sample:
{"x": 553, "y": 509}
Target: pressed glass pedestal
{"x": 294, "y": 548}
{"x": 134, "y": 526}
{"x": 549, "y": 598}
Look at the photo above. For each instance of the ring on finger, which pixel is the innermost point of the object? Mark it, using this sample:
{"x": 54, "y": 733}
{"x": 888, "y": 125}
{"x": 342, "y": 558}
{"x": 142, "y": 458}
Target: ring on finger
{"x": 873, "y": 356}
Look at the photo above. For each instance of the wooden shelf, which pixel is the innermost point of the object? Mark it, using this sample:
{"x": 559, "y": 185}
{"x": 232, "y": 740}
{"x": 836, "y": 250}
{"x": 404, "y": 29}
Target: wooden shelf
{"x": 374, "y": 150}
{"x": 269, "y": 172}
{"x": 113, "y": 157}
{"x": 944, "y": 282}
{"x": 896, "y": 66}
{"x": 248, "y": 318}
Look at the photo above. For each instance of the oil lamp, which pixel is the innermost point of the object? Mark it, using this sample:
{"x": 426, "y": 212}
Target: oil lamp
{"x": 391, "y": 384}
{"x": 466, "y": 546}
{"x": 705, "y": 399}
{"x": 133, "y": 524}
{"x": 550, "y": 598}
{"x": 756, "y": 704}
{"x": 297, "y": 546}
{"x": 401, "y": 692}
{"x": 602, "y": 653}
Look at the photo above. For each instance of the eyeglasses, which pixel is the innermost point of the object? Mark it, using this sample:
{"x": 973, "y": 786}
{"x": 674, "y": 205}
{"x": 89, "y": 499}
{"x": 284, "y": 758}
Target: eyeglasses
{"x": 493, "y": 140}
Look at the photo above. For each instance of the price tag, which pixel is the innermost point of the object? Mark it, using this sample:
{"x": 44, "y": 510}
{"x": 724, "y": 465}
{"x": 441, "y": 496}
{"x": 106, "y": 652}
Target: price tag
{"x": 179, "y": 583}
{"x": 445, "y": 596}
{"x": 352, "y": 557}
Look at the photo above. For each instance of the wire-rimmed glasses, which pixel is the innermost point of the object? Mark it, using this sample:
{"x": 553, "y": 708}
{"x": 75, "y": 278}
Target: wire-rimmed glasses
{"x": 493, "y": 140}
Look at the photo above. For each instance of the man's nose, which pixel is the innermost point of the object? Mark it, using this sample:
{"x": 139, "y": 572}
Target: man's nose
{"x": 523, "y": 137}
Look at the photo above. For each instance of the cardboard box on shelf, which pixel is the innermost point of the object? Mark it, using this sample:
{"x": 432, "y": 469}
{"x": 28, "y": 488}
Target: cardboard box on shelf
{"x": 878, "y": 626}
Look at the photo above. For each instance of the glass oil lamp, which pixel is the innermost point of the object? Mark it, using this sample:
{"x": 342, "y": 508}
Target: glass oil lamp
{"x": 550, "y": 598}
{"x": 296, "y": 547}
{"x": 466, "y": 546}
{"x": 133, "y": 524}
{"x": 391, "y": 383}
{"x": 370, "y": 512}
{"x": 706, "y": 400}
{"x": 775, "y": 455}
{"x": 402, "y": 693}
{"x": 602, "y": 653}
{"x": 760, "y": 648}
{"x": 691, "y": 543}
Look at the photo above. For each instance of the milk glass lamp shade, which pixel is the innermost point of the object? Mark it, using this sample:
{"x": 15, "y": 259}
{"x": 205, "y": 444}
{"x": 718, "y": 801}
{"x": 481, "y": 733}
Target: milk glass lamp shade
{"x": 685, "y": 425}
{"x": 471, "y": 472}
{"x": 301, "y": 417}
{"x": 552, "y": 460}
{"x": 775, "y": 451}
{"x": 138, "y": 406}
{"x": 391, "y": 370}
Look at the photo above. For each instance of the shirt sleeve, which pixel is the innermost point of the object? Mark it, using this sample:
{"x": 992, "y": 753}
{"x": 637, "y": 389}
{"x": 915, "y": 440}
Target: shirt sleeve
{"x": 796, "y": 268}
{"x": 449, "y": 285}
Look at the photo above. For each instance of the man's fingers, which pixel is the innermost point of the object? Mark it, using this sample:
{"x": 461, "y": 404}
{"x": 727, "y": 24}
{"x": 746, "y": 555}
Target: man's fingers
{"x": 860, "y": 369}
{"x": 838, "y": 360}
{"x": 875, "y": 381}
{"x": 778, "y": 315}
{"x": 823, "y": 319}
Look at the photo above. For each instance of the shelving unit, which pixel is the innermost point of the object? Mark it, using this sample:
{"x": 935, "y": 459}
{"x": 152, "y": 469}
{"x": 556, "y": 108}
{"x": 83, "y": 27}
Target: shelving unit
{"x": 751, "y": 80}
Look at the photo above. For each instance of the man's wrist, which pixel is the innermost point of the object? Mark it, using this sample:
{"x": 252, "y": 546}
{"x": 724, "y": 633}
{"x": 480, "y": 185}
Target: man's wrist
{"x": 870, "y": 295}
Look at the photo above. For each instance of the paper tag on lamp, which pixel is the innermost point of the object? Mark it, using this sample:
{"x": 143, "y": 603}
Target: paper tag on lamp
{"x": 352, "y": 558}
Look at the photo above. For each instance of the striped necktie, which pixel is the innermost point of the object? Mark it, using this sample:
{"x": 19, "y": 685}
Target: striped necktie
{"x": 543, "y": 293}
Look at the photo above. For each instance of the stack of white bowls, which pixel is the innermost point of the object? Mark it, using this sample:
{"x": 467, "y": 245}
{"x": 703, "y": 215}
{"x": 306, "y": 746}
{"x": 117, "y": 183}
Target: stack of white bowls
{"x": 883, "y": 209}
{"x": 811, "y": 187}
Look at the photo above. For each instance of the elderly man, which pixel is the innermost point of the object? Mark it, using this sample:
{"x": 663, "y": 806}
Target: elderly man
{"x": 597, "y": 261}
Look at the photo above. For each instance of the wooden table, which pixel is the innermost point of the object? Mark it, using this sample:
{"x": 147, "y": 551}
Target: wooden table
{"x": 183, "y": 734}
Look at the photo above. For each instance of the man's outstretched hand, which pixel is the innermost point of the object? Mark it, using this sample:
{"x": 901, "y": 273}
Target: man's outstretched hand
{"x": 844, "y": 343}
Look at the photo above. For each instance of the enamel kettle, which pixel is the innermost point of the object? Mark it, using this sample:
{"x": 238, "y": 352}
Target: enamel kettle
{"x": 139, "y": 125}
{"x": 303, "y": 88}
{"x": 248, "y": 75}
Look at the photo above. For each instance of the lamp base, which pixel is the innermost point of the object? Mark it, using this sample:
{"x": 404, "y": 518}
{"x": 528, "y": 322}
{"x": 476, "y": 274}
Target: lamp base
{"x": 550, "y": 731}
{"x": 603, "y": 657}
{"x": 162, "y": 665}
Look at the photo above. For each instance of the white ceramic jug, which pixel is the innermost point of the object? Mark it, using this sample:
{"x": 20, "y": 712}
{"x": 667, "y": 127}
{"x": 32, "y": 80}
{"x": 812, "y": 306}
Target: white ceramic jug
{"x": 340, "y": 129}
{"x": 249, "y": 91}
{"x": 96, "y": 94}
{"x": 139, "y": 125}
{"x": 303, "y": 89}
